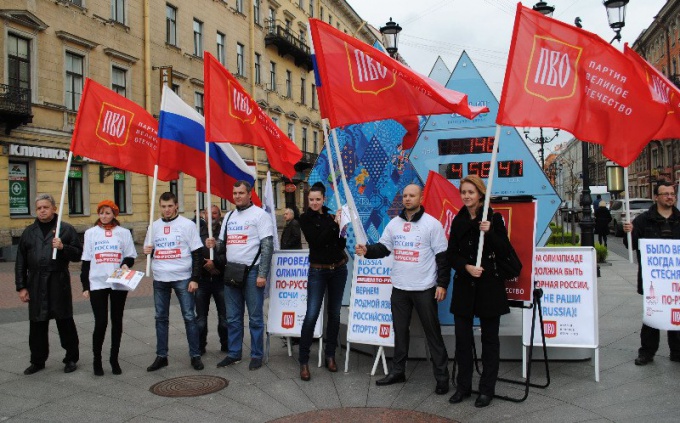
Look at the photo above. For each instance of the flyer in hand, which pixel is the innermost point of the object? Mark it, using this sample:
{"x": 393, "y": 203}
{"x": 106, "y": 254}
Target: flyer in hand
{"x": 125, "y": 279}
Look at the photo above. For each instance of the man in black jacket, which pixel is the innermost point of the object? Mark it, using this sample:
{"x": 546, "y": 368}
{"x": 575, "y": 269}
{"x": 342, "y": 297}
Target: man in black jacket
{"x": 291, "y": 237}
{"x": 661, "y": 221}
{"x": 45, "y": 284}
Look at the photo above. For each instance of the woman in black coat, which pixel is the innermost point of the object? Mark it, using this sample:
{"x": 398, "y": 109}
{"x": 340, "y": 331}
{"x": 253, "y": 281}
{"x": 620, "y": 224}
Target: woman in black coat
{"x": 602, "y": 219}
{"x": 477, "y": 291}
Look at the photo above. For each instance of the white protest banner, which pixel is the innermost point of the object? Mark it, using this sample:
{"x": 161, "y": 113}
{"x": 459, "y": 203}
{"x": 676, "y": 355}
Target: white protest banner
{"x": 660, "y": 260}
{"x": 568, "y": 278}
{"x": 125, "y": 279}
{"x": 288, "y": 294}
{"x": 370, "y": 312}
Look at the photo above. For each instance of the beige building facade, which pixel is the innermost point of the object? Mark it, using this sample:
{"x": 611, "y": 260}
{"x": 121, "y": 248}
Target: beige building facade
{"x": 49, "y": 48}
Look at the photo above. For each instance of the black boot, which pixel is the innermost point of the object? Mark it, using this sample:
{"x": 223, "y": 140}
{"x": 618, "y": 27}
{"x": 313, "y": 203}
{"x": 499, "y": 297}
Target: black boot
{"x": 97, "y": 366}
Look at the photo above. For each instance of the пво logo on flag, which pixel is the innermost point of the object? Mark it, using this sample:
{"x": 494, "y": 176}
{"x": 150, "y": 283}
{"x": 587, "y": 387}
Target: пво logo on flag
{"x": 114, "y": 124}
{"x": 240, "y": 107}
{"x": 368, "y": 75}
{"x": 551, "y": 71}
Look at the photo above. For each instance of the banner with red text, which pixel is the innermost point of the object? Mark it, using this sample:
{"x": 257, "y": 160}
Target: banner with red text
{"x": 288, "y": 294}
{"x": 568, "y": 278}
{"x": 660, "y": 260}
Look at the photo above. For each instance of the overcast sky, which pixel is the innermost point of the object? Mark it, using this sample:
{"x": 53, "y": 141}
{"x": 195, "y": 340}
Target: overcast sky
{"x": 483, "y": 28}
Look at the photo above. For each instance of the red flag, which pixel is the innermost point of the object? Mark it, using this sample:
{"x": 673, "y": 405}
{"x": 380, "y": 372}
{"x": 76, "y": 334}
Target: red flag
{"x": 411, "y": 124}
{"x": 564, "y": 77}
{"x": 663, "y": 91}
{"x": 358, "y": 83}
{"x": 231, "y": 115}
{"x": 116, "y": 131}
{"x": 441, "y": 200}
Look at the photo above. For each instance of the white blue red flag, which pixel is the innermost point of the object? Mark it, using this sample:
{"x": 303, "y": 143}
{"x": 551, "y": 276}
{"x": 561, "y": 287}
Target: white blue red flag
{"x": 182, "y": 130}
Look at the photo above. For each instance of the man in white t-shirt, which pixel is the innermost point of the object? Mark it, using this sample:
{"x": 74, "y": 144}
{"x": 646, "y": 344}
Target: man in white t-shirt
{"x": 247, "y": 234}
{"x": 420, "y": 275}
{"x": 177, "y": 259}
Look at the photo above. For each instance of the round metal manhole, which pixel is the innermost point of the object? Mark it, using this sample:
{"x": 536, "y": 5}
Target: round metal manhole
{"x": 189, "y": 386}
{"x": 363, "y": 415}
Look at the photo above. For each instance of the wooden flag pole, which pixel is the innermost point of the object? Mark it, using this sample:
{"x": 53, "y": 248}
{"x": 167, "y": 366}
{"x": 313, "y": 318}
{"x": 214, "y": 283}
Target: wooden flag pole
{"x": 208, "y": 207}
{"x": 61, "y": 201}
{"x": 338, "y": 204}
{"x": 487, "y": 197}
{"x": 152, "y": 210}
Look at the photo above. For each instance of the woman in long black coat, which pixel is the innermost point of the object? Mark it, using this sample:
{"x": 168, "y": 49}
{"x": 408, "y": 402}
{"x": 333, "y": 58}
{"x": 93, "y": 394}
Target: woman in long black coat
{"x": 477, "y": 291}
{"x": 602, "y": 219}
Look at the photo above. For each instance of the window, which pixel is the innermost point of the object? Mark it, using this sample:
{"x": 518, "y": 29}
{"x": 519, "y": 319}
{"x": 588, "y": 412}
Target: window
{"x": 224, "y": 205}
{"x": 19, "y": 189}
{"x": 272, "y": 76}
{"x": 120, "y": 190}
{"x": 75, "y": 190}
{"x": 291, "y": 131}
{"x": 119, "y": 80}
{"x": 220, "y": 48}
{"x": 315, "y": 140}
{"x": 170, "y": 25}
{"x": 174, "y": 187}
{"x": 304, "y": 139}
{"x": 19, "y": 62}
{"x": 289, "y": 84}
{"x": 240, "y": 65}
{"x": 314, "y": 96}
{"x": 74, "y": 80}
{"x": 118, "y": 11}
{"x": 256, "y": 11}
{"x": 258, "y": 68}
{"x": 311, "y": 8}
{"x": 303, "y": 34}
{"x": 239, "y": 6}
{"x": 321, "y": 13}
{"x": 175, "y": 88}
{"x": 198, "y": 38}
{"x": 289, "y": 23}
{"x": 272, "y": 20}
{"x": 198, "y": 102}
{"x": 301, "y": 4}
{"x": 330, "y": 20}
{"x": 201, "y": 202}
{"x": 303, "y": 92}
{"x": 260, "y": 183}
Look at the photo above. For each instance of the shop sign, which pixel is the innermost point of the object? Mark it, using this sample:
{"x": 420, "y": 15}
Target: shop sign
{"x": 18, "y": 188}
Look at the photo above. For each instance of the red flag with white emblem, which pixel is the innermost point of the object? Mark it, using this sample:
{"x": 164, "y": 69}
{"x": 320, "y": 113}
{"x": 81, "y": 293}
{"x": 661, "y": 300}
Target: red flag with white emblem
{"x": 441, "y": 200}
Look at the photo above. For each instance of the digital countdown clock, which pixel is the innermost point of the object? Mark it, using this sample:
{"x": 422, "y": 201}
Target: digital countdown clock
{"x": 476, "y": 145}
{"x": 505, "y": 169}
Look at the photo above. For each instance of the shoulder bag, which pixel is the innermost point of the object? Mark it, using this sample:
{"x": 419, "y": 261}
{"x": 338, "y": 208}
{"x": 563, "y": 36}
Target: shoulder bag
{"x": 236, "y": 274}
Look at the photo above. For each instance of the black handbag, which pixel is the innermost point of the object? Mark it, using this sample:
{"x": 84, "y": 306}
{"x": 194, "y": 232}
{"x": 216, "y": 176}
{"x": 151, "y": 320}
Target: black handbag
{"x": 236, "y": 274}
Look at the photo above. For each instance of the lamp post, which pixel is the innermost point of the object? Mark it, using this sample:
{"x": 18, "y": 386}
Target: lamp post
{"x": 541, "y": 140}
{"x": 616, "y": 14}
{"x": 390, "y": 33}
{"x": 543, "y": 8}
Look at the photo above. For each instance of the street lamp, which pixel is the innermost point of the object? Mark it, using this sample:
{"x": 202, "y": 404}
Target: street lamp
{"x": 390, "y": 33}
{"x": 616, "y": 13}
{"x": 541, "y": 140}
{"x": 543, "y": 8}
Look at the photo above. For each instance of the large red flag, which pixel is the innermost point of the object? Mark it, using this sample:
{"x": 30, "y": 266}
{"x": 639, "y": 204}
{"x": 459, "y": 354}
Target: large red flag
{"x": 564, "y": 77}
{"x": 663, "y": 91}
{"x": 358, "y": 83}
{"x": 116, "y": 131}
{"x": 231, "y": 115}
{"x": 441, "y": 200}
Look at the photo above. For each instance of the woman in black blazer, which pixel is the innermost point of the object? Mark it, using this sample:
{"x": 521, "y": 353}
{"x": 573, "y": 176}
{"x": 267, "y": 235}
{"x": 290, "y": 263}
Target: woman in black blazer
{"x": 477, "y": 291}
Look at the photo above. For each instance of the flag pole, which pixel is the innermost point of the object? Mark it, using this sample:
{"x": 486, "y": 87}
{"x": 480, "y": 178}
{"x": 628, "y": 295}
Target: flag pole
{"x": 626, "y": 197}
{"x": 324, "y": 122}
{"x": 208, "y": 207}
{"x": 197, "y": 213}
{"x": 353, "y": 214}
{"x": 487, "y": 197}
{"x": 61, "y": 201}
{"x": 152, "y": 210}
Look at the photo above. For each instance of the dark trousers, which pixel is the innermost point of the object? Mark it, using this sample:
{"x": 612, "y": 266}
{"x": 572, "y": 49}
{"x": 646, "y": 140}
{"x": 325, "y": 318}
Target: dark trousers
{"x": 38, "y": 340}
{"x": 490, "y": 353}
{"x": 601, "y": 238}
{"x": 211, "y": 287}
{"x": 403, "y": 303}
{"x": 650, "y": 337}
{"x": 99, "y": 300}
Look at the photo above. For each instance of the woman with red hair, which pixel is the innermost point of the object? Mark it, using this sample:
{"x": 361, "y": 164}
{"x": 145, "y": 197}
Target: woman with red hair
{"x": 107, "y": 247}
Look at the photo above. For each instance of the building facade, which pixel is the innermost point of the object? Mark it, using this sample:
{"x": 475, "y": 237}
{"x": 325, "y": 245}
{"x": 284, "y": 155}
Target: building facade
{"x": 50, "y": 47}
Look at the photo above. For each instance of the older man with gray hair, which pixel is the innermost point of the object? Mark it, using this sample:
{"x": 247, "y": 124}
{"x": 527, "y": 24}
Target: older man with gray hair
{"x": 45, "y": 283}
{"x": 291, "y": 237}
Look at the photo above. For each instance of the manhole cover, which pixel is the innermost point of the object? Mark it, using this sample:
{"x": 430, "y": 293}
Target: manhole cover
{"x": 189, "y": 386}
{"x": 363, "y": 415}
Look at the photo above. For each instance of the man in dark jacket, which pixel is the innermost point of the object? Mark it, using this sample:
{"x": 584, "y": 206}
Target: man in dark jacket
{"x": 291, "y": 238}
{"x": 45, "y": 284}
{"x": 211, "y": 284}
{"x": 661, "y": 221}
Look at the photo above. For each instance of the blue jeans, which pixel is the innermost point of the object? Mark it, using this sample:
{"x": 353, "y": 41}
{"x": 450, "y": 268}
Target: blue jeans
{"x": 317, "y": 282}
{"x": 207, "y": 287}
{"x": 162, "y": 291}
{"x": 236, "y": 298}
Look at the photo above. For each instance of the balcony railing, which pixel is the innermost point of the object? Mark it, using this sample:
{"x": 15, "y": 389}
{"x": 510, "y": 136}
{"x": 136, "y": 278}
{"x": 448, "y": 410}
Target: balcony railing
{"x": 306, "y": 161}
{"x": 15, "y": 106}
{"x": 288, "y": 43}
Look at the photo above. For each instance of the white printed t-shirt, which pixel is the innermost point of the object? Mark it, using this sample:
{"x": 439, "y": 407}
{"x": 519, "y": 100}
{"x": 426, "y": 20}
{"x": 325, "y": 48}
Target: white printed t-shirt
{"x": 413, "y": 246}
{"x": 173, "y": 243}
{"x": 246, "y": 229}
{"x": 105, "y": 249}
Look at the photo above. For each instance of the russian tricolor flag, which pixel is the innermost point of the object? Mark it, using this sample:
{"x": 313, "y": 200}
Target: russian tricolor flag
{"x": 182, "y": 130}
